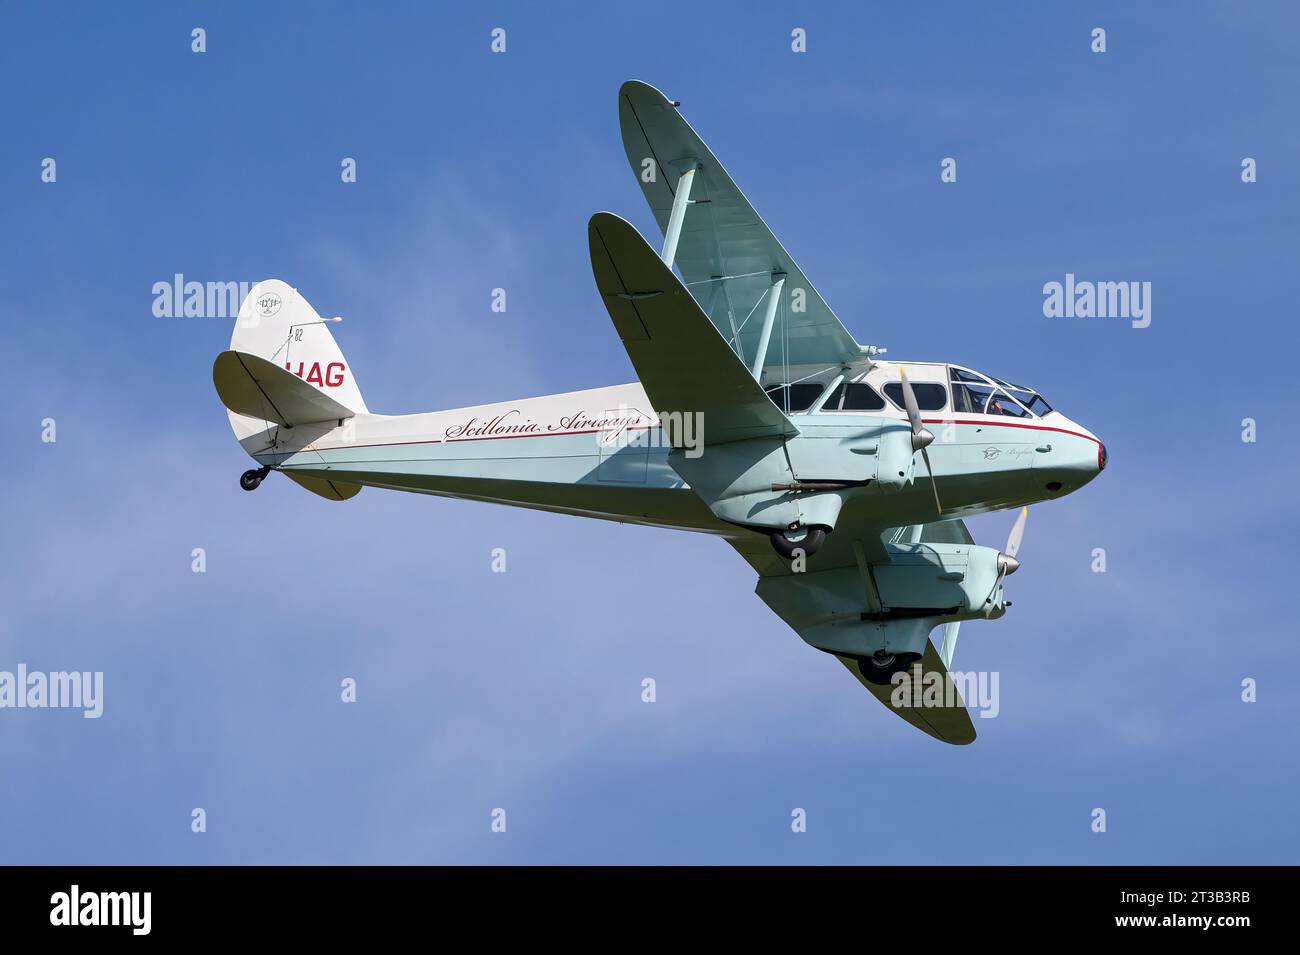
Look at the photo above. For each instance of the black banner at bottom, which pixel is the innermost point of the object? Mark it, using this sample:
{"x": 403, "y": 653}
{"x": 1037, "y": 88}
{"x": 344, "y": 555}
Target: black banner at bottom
{"x": 234, "y": 903}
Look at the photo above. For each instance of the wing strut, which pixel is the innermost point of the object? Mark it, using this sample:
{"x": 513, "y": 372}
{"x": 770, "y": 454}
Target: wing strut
{"x": 868, "y": 582}
{"x": 681, "y": 199}
{"x": 769, "y": 318}
{"x": 684, "y": 363}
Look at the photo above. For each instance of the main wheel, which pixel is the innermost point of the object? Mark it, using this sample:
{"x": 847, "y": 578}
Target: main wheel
{"x": 880, "y": 667}
{"x": 809, "y": 544}
{"x": 250, "y": 480}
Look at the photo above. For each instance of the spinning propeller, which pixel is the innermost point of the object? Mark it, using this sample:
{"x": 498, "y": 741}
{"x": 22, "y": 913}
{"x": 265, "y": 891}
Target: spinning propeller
{"x": 921, "y": 437}
{"x": 1007, "y": 563}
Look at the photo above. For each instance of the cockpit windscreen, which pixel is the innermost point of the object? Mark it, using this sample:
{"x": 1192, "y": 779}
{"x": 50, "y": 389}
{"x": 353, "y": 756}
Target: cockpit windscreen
{"x": 979, "y": 394}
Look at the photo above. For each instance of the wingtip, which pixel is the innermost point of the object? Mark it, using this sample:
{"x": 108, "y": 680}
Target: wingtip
{"x": 640, "y": 90}
{"x": 602, "y": 218}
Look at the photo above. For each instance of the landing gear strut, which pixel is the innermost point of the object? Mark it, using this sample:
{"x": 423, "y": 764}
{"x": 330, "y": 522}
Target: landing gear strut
{"x": 807, "y": 545}
{"x": 250, "y": 480}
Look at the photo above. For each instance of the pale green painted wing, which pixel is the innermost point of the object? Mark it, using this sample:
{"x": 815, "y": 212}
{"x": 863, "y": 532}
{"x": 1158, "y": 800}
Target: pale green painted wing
{"x": 682, "y": 361}
{"x": 949, "y": 723}
{"x": 723, "y": 236}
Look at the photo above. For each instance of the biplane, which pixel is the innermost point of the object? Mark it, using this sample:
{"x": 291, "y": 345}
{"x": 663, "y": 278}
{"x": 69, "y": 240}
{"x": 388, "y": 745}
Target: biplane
{"x": 842, "y": 478}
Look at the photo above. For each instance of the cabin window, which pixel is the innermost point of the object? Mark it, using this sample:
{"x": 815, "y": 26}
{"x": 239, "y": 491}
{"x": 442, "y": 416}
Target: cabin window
{"x": 796, "y": 397}
{"x": 854, "y": 396}
{"x": 929, "y": 396}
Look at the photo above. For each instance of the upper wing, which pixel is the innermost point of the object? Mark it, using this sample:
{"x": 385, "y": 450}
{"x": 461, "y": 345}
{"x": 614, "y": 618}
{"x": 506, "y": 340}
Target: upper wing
{"x": 682, "y": 361}
{"x": 727, "y": 254}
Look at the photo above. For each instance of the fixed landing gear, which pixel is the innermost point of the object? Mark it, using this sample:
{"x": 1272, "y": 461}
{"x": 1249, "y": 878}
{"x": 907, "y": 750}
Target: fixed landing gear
{"x": 880, "y": 667}
{"x": 250, "y": 480}
{"x": 807, "y": 545}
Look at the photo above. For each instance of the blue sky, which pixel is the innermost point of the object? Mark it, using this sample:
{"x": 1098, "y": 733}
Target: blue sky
{"x": 522, "y": 690}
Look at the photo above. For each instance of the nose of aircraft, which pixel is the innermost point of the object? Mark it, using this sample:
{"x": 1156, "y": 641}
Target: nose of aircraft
{"x": 1075, "y": 456}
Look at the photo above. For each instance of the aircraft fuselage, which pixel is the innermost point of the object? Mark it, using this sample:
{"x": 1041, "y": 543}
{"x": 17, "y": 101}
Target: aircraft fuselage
{"x": 602, "y": 453}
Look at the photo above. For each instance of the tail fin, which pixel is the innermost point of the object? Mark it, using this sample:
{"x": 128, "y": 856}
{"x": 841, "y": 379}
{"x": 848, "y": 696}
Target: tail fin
{"x": 284, "y": 370}
{"x": 278, "y": 325}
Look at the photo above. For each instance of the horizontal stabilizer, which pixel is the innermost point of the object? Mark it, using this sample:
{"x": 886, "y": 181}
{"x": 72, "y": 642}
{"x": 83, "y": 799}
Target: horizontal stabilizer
{"x": 330, "y": 490}
{"x": 255, "y": 387}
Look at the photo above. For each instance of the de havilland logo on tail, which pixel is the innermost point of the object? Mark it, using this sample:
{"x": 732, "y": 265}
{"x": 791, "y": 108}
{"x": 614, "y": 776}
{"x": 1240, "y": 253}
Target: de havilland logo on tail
{"x": 842, "y": 478}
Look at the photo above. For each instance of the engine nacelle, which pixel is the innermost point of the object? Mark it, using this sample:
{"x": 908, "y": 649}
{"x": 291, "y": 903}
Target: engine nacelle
{"x": 921, "y": 586}
{"x": 895, "y": 460}
{"x": 879, "y": 459}
{"x": 775, "y": 483}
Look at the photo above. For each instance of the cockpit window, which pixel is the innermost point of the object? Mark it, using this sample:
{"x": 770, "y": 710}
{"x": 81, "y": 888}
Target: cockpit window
{"x": 1000, "y": 403}
{"x": 979, "y": 394}
{"x": 1026, "y": 396}
{"x": 985, "y": 399}
{"x": 796, "y": 397}
{"x": 929, "y": 396}
{"x": 965, "y": 401}
{"x": 1031, "y": 400}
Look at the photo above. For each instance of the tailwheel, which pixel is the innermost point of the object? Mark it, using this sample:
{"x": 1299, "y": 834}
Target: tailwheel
{"x": 251, "y": 480}
{"x": 806, "y": 545}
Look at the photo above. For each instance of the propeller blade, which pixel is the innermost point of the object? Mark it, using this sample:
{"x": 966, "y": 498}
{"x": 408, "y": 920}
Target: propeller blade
{"x": 949, "y": 642}
{"x": 909, "y": 402}
{"x": 921, "y": 438}
{"x": 934, "y": 485}
{"x": 1007, "y": 562}
{"x": 1017, "y": 533}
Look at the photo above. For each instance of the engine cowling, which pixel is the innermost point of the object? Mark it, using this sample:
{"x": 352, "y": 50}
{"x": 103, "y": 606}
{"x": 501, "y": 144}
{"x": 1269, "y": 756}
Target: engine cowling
{"x": 780, "y": 483}
{"x": 921, "y": 586}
